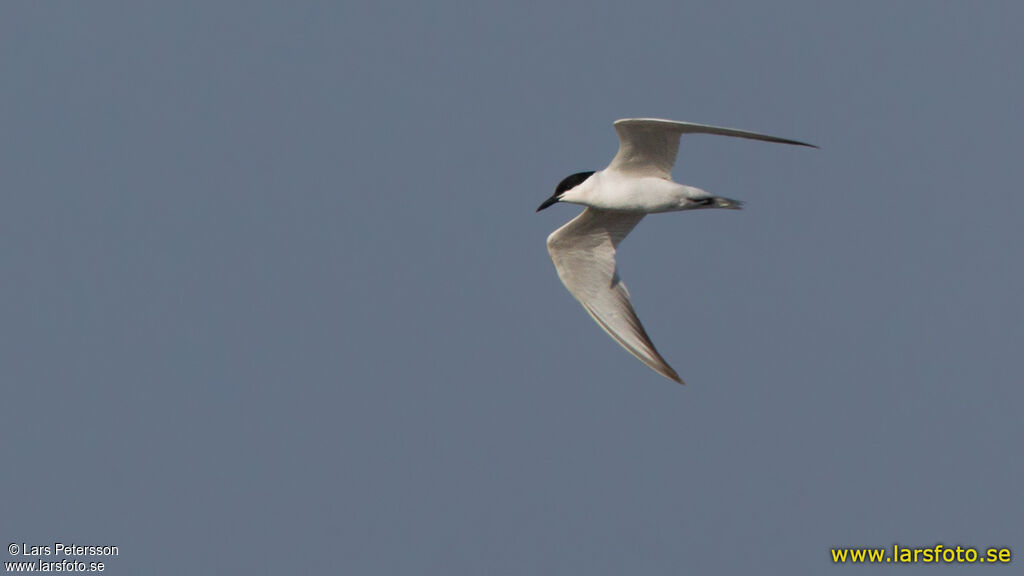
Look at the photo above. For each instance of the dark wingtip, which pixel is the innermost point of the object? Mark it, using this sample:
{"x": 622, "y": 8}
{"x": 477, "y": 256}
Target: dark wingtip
{"x": 668, "y": 372}
{"x": 794, "y": 142}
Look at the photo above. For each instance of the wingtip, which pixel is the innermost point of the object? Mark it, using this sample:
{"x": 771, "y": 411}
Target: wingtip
{"x": 671, "y": 374}
{"x": 797, "y": 143}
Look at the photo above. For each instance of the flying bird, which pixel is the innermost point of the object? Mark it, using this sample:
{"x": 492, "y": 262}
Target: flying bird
{"x": 636, "y": 183}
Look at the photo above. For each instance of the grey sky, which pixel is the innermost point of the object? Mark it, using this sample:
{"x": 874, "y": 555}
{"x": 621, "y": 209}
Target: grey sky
{"x": 275, "y": 297}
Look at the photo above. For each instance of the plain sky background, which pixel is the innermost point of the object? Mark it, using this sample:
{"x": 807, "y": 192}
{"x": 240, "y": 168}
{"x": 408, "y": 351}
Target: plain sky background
{"x": 275, "y": 299}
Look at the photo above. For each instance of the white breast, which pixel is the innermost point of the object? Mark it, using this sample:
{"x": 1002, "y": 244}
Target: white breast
{"x": 616, "y": 191}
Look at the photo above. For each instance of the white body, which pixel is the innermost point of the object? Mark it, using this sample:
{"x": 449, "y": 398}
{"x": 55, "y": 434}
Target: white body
{"x": 614, "y": 190}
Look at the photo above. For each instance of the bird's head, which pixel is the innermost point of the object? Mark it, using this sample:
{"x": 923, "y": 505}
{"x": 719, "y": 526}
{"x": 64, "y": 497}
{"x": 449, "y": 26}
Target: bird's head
{"x": 564, "y": 186}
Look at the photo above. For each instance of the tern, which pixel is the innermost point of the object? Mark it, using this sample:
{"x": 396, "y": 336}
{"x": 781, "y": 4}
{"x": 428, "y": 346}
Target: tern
{"x": 636, "y": 183}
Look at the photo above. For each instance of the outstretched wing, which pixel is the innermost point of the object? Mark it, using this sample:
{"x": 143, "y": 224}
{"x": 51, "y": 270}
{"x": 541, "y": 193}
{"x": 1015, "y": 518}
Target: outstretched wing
{"x": 648, "y": 146}
{"x": 583, "y": 251}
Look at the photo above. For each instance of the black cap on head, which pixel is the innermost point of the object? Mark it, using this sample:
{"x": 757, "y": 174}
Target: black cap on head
{"x": 566, "y": 184}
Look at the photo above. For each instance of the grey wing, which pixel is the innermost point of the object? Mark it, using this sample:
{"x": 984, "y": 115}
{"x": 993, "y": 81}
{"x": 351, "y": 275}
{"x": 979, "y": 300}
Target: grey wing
{"x": 648, "y": 146}
{"x": 583, "y": 251}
